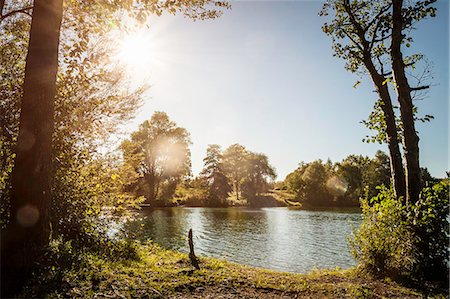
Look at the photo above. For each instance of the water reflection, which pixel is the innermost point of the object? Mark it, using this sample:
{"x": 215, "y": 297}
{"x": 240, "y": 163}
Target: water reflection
{"x": 275, "y": 238}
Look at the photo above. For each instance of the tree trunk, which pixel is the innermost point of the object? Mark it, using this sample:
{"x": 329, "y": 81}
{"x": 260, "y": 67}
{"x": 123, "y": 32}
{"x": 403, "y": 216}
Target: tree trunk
{"x": 397, "y": 170}
{"x": 2, "y": 4}
{"x": 28, "y": 230}
{"x": 410, "y": 137}
{"x": 151, "y": 183}
{"x": 396, "y": 164}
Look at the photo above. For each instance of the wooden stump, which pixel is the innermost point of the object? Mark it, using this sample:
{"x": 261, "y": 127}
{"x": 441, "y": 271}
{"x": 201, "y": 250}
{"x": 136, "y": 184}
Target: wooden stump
{"x": 192, "y": 257}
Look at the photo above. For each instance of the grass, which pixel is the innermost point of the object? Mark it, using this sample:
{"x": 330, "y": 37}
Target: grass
{"x": 160, "y": 273}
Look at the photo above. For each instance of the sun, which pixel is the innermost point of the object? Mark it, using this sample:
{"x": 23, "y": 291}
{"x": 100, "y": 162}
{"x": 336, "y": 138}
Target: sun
{"x": 138, "y": 53}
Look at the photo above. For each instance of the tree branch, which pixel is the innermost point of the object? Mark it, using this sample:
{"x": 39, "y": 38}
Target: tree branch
{"x": 359, "y": 29}
{"x": 377, "y": 17}
{"x": 353, "y": 40}
{"x": 420, "y": 87}
{"x": 379, "y": 20}
{"x": 24, "y": 10}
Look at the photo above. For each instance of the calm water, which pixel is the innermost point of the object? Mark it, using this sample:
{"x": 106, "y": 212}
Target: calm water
{"x": 275, "y": 238}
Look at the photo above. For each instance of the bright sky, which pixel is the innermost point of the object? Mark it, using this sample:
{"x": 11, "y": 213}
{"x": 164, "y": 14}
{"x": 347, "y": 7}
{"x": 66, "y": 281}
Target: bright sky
{"x": 263, "y": 75}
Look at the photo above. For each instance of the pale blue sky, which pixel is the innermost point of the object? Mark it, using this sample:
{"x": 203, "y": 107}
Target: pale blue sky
{"x": 263, "y": 75}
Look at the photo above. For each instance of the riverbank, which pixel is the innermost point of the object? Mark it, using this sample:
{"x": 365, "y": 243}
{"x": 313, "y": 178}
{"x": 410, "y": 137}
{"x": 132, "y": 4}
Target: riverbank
{"x": 159, "y": 273}
{"x": 270, "y": 199}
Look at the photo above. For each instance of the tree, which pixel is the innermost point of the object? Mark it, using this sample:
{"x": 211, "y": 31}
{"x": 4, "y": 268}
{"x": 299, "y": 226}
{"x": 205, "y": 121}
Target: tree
{"x": 309, "y": 183}
{"x": 234, "y": 162}
{"x": 214, "y": 174}
{"x": 358, "y": 33}
{"x": 402, "y": 20}
{"x": 159, "y": 153}
{"x": 93, "y": 98}
{"x": 339, "y": 184}
{"x": 352, "y": 170}
{"x": 31, "y": 178}
{"x": 258, "y": 172}
{"x": 32, "y": 172}
{"x": 381, "y": 21}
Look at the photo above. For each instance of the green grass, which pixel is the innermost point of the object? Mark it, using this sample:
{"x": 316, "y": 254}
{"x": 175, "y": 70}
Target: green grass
{"x": 159, "y": 273}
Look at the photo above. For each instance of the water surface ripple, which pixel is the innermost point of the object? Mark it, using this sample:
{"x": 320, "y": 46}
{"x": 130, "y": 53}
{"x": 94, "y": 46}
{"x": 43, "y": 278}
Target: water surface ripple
{"x": 275, "y": 238}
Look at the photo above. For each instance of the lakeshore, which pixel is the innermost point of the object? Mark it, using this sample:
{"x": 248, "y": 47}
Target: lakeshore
{"x": 159, "y": 273}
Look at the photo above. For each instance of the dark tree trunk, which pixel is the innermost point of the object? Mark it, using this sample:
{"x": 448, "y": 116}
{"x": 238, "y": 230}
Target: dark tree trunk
{"x": 2, "y": 4}
{"x": 28, "y": 230}
{"x": 397, "y": 170}
{"x": 396, "y": 164}
{"x": 151, "y": 184}
{"x": 152, "y": 181}
{"x": 410, "y": 137}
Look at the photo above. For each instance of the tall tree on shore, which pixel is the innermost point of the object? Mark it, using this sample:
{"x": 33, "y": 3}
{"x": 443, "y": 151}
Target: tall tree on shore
{"x": 403, "y": 18}
{"x": 368, "y": 26}
{"x": 31, "y": 179}
{"x": 359, "y": 33}
{"x": 28, "y": 230}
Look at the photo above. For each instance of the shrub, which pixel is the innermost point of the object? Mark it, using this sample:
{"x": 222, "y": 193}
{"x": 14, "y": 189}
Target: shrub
{"x": 383, "y": 245}
{"x": 405, "y": 241}
{"x": 429, "y": 219}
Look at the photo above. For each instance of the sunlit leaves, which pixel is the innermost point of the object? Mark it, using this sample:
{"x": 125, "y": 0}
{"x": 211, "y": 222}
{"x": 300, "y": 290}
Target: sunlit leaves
{"x": 343, "y": 183}
{"x": 159, "y": 154}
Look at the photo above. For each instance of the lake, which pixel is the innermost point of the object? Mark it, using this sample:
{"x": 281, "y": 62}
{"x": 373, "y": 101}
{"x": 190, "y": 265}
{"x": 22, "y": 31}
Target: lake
{"x": 275, "y": 238}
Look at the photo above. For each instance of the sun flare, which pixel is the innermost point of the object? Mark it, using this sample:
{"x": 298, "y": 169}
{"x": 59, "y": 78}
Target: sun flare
{"x": 138, "y": 53}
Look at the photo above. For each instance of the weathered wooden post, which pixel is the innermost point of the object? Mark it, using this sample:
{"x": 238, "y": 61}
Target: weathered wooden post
{"x": 192, "y": 257}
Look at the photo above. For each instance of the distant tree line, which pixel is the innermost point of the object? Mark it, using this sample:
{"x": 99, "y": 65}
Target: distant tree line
{"x": 343, "y": 183}
{"x": 157, "y": 158}
{"x": 338, "y": 184}
{"x": 156, "y": 161}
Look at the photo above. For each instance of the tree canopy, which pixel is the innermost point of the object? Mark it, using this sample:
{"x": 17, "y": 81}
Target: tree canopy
{"x": 159, "y": 153}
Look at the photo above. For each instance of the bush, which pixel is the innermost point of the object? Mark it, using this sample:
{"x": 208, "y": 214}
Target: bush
{"x": 383, "y": 245}
{"x": 408, "y": 242}
{"x": 430, "y": 221}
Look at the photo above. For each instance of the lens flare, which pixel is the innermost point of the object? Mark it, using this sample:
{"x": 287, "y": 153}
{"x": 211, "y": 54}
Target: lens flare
{"x": 337, "y": 185}
{"x": 27, "y": 215}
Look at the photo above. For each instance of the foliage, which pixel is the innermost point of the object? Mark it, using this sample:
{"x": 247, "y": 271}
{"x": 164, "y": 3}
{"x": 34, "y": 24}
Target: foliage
{"x": 215, "y": 176}
{"x": 360, "y": 30}
{"x": 430, "y": 222}
{"x": 339, "y": 184}
{"x": 248, "y": 172}
{"x": 93, "y": 99}
{"x": 234, "y": 164}
{"x": 409, "y": 242}
{"x": 369, "y": 35}
{"x": 384, "y": 244}
{"x": 196, "y": 193}
{"x": 259, "y": 172}
{"x": 237, "y": 169}
{"x": 159, "y": 154}
{"x": 86, "y": 193}
{"x": 308, "y": 183}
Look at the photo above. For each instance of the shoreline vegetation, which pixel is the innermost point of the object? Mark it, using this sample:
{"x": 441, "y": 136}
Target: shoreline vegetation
{"x": 270, "y": 199}
{"x": 152, "y": 272}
